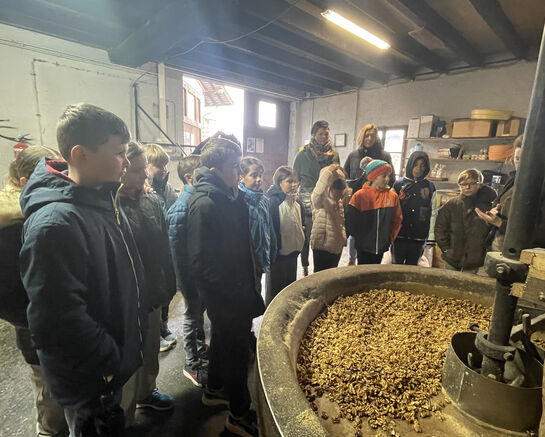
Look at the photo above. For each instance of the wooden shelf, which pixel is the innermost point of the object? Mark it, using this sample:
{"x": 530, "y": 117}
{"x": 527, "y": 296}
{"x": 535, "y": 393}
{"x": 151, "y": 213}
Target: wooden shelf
{"x": 450, "y": 140}
{"x": 467, "y": 160}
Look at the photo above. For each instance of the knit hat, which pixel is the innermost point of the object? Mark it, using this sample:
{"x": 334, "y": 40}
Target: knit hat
{"x": 377, "y": 167}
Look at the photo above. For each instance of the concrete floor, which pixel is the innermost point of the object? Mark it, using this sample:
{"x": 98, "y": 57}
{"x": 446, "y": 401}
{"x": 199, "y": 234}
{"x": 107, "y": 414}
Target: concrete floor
{"x": 188, "y": 419}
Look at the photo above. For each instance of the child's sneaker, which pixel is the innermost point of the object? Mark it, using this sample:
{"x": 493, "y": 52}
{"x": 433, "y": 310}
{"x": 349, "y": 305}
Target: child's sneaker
{"x": 245, "y": 426}
{"x": 197, "y": 374}
{"x": 168, "y": 336}
{"x": 157, "y": 401}
{"x": 213, "y": 398}
{"x": 165, "y": 345}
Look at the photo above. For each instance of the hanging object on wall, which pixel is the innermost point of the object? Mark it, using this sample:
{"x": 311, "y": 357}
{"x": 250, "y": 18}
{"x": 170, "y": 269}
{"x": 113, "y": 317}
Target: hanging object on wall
{"x": 340, "y": 140}
{"x": 250, "y": 145}
{"x": 259, "y": 145}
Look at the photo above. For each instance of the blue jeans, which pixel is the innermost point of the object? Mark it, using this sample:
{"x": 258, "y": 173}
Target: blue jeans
{"x": 352, "y": 252}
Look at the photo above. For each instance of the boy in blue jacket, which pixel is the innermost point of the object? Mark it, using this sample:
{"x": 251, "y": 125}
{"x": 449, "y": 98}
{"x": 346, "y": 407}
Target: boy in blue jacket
{"x": 196, "y": 350}
{"x": 82, "y": 272}
{"x": 417, "y": 199}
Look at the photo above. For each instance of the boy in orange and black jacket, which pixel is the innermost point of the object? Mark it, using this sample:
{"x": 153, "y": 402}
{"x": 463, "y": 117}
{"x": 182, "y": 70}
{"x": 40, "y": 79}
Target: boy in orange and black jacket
{"x": 373, "y": 215}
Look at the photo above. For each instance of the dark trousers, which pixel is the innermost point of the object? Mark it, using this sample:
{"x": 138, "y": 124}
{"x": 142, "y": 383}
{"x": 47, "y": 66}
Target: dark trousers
{"x": 229, "y": 355}
{"x": 324, "y": 260}
{"x": 106, "y": 420}
{"x": 283, "y": 273}
{"x": 406, "y": 251}
{"x": 369, "y": 258}
{"x": 164, "y": 320}
{"x": 193, "y": 325}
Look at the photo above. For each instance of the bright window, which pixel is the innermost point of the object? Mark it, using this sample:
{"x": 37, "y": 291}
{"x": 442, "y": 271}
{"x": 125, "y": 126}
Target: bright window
{"x": 190, "y": 106}
{"x": 393, "y": 144}
{"x": 267, "y": 114}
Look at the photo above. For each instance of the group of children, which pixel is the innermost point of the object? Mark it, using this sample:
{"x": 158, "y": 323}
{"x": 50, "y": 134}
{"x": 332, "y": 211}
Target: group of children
{"x": 106, "y": 242}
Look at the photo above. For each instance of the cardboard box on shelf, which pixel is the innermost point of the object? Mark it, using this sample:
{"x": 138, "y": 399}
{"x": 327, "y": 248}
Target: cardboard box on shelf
{"x": 413, "y": 128}
{"x": 467, "y": 128}
{"x": 510, "y": 128}
{"x": 426, "y": 125}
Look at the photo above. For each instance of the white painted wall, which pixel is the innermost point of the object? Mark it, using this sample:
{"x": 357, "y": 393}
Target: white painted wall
{"x": 41, "y": 75}
{"x": 449, "y": 96}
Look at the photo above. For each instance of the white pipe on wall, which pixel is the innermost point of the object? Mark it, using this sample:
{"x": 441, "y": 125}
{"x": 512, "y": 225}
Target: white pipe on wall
{"x": 161, "y": 87}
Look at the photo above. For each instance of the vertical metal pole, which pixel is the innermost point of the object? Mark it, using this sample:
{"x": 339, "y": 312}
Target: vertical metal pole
{"x": 523, "y": 213}
{"x": 136, "y": 127}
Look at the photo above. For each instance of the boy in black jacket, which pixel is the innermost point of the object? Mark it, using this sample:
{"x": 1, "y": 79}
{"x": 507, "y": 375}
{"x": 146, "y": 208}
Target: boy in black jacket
{"x": 417, "y": 198}
{"x": 82, "y": 272}
{"x": 218, "y": 256}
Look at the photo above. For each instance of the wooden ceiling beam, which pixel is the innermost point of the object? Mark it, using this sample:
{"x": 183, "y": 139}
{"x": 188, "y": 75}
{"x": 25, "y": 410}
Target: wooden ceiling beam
{"x": 423, "y": 15}
{"x": 265, "y": 65}
{"x": 403, "y": 44}
{"x": 198, "y": 68}
{"x": 493, "y": 14}
{"x": 275, "y": 53}
{"x": 230, "y": 66}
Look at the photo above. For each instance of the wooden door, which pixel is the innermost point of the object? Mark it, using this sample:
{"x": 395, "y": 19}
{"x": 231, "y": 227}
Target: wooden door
{"x": 266, "y": 137}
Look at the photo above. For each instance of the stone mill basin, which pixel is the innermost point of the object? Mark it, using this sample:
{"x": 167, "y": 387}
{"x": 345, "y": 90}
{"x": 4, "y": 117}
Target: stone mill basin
{"x": 283, "y": 407}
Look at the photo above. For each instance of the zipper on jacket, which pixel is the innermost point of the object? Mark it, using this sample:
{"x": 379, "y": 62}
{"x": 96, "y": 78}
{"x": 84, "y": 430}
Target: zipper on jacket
{"x": 116, "y": 209}
{"x": 376, "y": 241}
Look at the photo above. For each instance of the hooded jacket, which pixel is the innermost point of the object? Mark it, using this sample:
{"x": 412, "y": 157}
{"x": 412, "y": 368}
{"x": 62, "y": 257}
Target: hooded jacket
{"x": 328, "y": 232}
{"x": 13, "y": 298}
{"x": 459, "y": 231}
{"x": 374, "y": 218}
{"x": 175, "y": 218}
{"x": 261, "y": 228}
{"x": 83, "y": 276}
{"x": 352, "y": 168}
{"x": 149, "y": 227}
{"x": 217, "y": 250}
{"x": 416, "y": 199}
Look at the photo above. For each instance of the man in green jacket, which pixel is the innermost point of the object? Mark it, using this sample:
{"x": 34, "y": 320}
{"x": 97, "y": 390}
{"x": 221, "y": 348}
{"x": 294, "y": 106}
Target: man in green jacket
{"x": 309, "y": 161}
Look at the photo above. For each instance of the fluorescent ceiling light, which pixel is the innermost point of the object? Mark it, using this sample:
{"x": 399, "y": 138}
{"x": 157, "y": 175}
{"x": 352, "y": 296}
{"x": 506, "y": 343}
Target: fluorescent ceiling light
{"x": 339, "y": 20}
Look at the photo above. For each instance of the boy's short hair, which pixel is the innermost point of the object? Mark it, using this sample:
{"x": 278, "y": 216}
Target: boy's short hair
{"x": 156, "y": 155}
{"x": 188, "y": 164}
{"x": 217, "y": 151}
{"x": 338, "y": 184}
{"x": 246, "y": 163}
{"x": 283, "y": 172}
{"x": 134, "y": 150}
{"x": 88, "y": 126}
{"x": 319, "y": 125}
{"x": 518, "y": 141}
{"x": 471, "y": 174}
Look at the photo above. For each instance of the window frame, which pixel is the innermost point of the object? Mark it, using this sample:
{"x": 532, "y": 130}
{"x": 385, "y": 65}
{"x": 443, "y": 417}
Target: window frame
{"x": 275, "y": 114}
{"x": 403, "y": 153}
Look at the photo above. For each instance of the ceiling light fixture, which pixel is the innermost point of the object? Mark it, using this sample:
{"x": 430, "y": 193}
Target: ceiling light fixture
{"x": 346, "y": 24}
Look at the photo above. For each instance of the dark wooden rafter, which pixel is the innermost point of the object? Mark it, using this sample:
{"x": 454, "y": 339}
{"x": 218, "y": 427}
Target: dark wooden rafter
{"x": 273, "y": 52}
{"x": 229, "y": 66}
{"x": 234, "y": 54}
{"x": 404, "y": 45}
{"x": 493, "y": 14}
{"x": 308, "y": 34}
{"x": 422, "y": 14}
{"x": 199, "y": 68}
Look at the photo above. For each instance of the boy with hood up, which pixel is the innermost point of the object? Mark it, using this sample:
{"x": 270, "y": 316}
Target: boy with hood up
{"x": 418, "y": 204}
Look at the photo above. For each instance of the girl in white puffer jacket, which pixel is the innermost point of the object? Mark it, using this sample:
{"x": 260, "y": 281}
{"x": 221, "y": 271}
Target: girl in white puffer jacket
{"x": 328, "y": 235}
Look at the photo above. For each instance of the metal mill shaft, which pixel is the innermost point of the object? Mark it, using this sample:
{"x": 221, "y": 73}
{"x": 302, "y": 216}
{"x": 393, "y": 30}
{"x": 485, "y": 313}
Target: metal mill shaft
{"x": 522, "y": 216}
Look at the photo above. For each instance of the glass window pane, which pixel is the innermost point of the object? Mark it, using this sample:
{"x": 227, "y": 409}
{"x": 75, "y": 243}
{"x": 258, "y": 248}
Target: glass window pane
{"x": 396, "y": 162}
{"x": 190, "y": 106}
{"x": 267, "y": 114}
{"x": 394, "y": 140}
{"x": 380, "y": 134}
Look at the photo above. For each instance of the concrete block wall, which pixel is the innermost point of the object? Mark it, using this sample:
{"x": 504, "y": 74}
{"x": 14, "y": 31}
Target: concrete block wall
{"x": 41, "y": 75}
{"x": 448, "y": 96}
